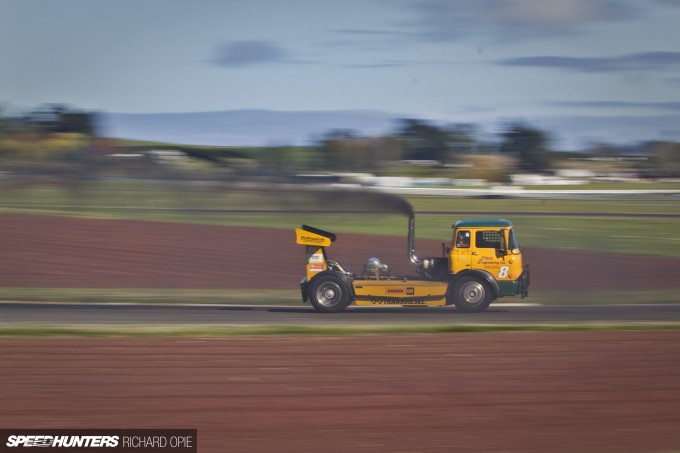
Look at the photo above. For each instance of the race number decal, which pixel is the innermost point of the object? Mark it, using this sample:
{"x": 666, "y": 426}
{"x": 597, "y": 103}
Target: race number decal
{"x": 503, "y": 272}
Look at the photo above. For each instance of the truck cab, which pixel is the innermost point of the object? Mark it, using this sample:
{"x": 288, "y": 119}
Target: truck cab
{"x": 487, "y": 251}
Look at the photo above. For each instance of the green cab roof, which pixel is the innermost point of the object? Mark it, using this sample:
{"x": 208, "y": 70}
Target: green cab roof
{"x": 483, "y": 223}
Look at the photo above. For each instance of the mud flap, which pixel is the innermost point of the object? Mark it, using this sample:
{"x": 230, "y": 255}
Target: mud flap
{"x": 304, "y": 287}
{"x": 525, "y": 280}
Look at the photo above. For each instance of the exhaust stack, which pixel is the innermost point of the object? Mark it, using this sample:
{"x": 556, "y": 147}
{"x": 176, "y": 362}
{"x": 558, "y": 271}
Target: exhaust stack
{"x": 411, "y": 248}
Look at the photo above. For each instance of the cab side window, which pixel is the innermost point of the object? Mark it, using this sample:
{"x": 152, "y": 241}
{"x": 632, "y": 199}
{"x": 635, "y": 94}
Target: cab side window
{"x": 488, "y": 239}
{"x": 463, "y": 240}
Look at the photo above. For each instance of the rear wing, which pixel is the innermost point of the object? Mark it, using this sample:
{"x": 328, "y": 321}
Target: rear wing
{"x": 315, "y": 242}
{"x": 308, "y": 235}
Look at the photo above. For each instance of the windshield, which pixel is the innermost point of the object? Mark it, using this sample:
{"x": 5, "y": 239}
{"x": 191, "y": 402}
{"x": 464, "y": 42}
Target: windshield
{"x": 513, "y": 241}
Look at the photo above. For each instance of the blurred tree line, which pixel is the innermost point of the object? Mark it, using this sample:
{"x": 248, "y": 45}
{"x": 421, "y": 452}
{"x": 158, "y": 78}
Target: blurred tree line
{"x": 420, "y": 141}
{"x": 519, "y": 147}
{"x": 50, "y": 118}
{"x": 415, "y": 148}
{"x": 46, "y": 131}
{"x": 664, "y": 160}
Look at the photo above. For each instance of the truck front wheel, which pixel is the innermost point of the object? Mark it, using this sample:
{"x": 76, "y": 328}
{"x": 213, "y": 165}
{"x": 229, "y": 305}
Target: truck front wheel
{"x": 470, "y": 295}
{"x": 329, "y": 293}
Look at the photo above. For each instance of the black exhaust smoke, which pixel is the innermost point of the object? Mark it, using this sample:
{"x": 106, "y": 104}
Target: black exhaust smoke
{"x": 370, "y": 201}
{"x": 356, "y": 200}
{"x": 394, "y": 203}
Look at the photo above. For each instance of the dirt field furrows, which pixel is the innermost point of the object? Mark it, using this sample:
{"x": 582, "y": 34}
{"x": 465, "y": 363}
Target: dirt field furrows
{"x": 65, "y": 252}
{"x": 528, "y": 392}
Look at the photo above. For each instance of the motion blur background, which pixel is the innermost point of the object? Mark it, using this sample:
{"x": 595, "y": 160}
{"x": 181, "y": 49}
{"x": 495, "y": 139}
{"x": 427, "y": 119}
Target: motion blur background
{"x": 163, "y": 151}
{"x": 122, "y": 124}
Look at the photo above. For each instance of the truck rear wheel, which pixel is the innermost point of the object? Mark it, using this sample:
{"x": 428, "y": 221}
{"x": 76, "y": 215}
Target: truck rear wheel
{"x": 329, "y": 293}
{"x": 471, "y": 295}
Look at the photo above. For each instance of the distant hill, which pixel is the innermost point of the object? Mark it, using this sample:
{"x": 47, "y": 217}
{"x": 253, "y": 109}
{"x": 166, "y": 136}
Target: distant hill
{"x": 275, "y": 128}
{"x": 244, "y": 127}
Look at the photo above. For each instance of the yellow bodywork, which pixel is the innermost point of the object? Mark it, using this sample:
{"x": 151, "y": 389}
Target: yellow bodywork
{"x": 484, "y": 257}
{"x": 476, "y": 254}
{"x": 304, "y": 237}
{"x": 422, "y": 293}
{"x": 314, "y": 248}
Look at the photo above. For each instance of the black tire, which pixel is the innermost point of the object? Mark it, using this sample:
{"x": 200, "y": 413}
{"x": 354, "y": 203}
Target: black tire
{"x": 329, "y": 293}
{"x": 470, "y": 295}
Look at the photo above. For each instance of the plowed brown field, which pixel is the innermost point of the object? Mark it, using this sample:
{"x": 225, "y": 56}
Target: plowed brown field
{"x": 88, "y": 253}
{"x": 513, "y": 392}
{"x": 606, "y": 392}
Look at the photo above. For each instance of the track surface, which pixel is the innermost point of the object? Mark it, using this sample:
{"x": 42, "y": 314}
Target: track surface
{"x": 16, "y": 313}
{"x": 514, "y": 392}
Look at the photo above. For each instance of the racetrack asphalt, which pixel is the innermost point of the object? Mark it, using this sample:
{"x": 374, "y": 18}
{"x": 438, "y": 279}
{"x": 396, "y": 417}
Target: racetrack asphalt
{"x": 15, "y": 313}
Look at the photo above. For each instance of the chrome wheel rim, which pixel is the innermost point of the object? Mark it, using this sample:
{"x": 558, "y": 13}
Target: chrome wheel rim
{"x": 473, "y": 293}
{"x": 329, "y": 294}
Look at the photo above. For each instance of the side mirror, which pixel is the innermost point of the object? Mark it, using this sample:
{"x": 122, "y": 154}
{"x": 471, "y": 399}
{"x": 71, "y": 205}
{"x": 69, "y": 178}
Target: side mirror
{"x": 503, "y": 247}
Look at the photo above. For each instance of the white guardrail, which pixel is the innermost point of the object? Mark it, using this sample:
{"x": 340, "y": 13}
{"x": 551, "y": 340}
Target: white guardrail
{"x": 518, "y": 192}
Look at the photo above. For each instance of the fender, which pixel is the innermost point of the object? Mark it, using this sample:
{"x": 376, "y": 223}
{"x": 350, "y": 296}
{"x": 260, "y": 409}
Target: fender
{"x": 305, "y": 285}
{"x": 482, "y": 275}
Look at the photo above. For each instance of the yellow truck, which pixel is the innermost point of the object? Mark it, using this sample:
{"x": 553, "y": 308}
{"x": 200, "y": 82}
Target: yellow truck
{"x": 482, "y": 263}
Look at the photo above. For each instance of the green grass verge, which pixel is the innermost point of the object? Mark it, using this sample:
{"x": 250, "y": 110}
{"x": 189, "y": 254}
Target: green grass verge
{"x": 92, "y": 194}
{"x": 444, "y": 204}
{"x": 154, "y": 296}
{"x": 231, "y": 331}
{"x": 598, "y": 297}
{"x": 592, "y": 231}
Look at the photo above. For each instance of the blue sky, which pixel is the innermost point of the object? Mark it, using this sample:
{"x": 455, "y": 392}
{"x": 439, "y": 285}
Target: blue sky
{"x": 587, "y": 70}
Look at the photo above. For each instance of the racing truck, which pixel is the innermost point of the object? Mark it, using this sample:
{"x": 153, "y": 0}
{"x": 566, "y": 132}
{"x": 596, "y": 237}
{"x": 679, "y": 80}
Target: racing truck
{"x": 483, "y": 263}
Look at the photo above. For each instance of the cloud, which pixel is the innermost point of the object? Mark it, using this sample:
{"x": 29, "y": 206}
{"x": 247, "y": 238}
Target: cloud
{"x": 248, "y": 53}
{"x": 514, "y": 20}
{"x": 635, "y": 62}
